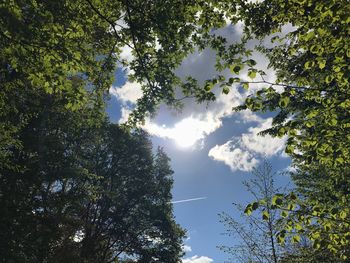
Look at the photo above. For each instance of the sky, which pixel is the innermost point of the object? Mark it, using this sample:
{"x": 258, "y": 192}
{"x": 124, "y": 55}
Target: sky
{"x": 212, "y": 150}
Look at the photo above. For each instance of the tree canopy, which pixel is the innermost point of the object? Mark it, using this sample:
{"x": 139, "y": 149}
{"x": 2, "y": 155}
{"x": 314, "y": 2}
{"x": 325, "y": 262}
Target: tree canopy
{"x": 56, "y": 148}
{"x": 85, "y": 190}
{"x": 311, "y": 62}
{"x": 50, "y": 45}
{"x": 75, "y": 188}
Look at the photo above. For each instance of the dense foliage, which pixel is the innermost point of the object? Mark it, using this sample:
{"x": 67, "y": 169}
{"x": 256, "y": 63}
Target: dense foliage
{"x": 71, "y": 49}
{"x": 311, "y": 98}
{"x": 73, "y": 187}
{"x": 64, "y": 169}
{"x": 84, "y": 190}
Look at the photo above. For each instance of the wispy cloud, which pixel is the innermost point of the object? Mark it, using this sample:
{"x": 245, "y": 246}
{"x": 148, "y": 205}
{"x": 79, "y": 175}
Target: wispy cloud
{"x": 197, "y": 259}
{"x": 188, "y": 200}
{"x": 243, "y": 152}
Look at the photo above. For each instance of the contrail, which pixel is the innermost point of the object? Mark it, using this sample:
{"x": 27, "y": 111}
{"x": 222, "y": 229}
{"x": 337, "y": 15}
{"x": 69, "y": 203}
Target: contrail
{"x": 188, "y": 200}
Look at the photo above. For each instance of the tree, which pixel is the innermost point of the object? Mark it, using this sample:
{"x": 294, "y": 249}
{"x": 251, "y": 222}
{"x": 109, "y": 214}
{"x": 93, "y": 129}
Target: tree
{"x": 38, "y": 194}
{"x": 59, "y": 48}
{"x": 311, "y": 62}
{"x": 85, "y": 191}
{"x": 256, "y": 235}
{"x": 303, "y": 252}
{"x": 313, "y": 74}
{"x": 69, "y": 50}
{"x": 48, "y": 44}
{"x": 132, "y": 213}
{"x": 57, "y": 64}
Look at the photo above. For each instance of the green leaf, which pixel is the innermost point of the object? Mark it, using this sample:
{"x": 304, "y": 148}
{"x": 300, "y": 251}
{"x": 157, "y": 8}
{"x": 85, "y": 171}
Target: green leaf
{"x": 333, "y": 122}
{"x": 289, "y": 149}
{"x": 245, "y": 85}
{"x": 215, "y": 81}
{"x": 257, "y": 106}
{"x": 265, "y": 215}
{"x": 233, "y": 80}
{"x": 298, "y": 227}
{"x": 322, "y": 64}
{"x": 284, "y": 214}
{"x": 249, "y": 102}
{"x": 336, "y": 68}
{"x": 292, "y": 132}
{"x": 291, "y": 207}
{"x": 281, "y": 132}
{"x": 262, "y": 202}
{"x": 251, "y": 62}
{"x": 277, "y": 200}
{"x": 327, "y": 226}
{"x": 236, "y": 68}
{"x": 284, "y": 101}
{"x": 317, "y": 49}
{"x": 310, "y": 124}
{"x": 329, "y": 79}
{"x": 208, "y": 86}
{"x": 281, "y": 238}
{"x": 226, "y": 90}
{"x": 309, "y": 64}
{"x": 252, "y": 74}
{"x": 248, "y": 210}
{"x": 316, "y": 245}
{"x": 343, "y": 215}
{"x": 296, "y": 239}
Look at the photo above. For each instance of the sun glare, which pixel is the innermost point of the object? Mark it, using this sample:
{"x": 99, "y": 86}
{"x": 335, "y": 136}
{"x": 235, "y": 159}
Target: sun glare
{"x": 186, "y": 134}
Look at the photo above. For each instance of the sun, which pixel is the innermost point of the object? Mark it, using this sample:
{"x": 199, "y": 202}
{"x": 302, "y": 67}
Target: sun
{"x": 186, "y": 134}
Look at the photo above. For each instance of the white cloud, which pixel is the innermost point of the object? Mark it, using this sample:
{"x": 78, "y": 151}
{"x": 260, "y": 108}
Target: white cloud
{"x": 186, "y": 248}
{"x": 126, "y": 54}
{"x": 129, "y": 92}
{"x": 248, "y": 116}
{"x": 199, "y": 120}
{"x": 197, "y": 259}
{"x": 233, "y": 156}
{"x": 187, "y": 131}
{"x": 243, "y": 152}
{"x": 125, "y": 112}
{"x": 263, "y": 145}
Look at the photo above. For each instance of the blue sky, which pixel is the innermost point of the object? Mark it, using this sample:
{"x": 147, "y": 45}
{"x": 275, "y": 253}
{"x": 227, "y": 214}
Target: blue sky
{"x": 212, "y": 151}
